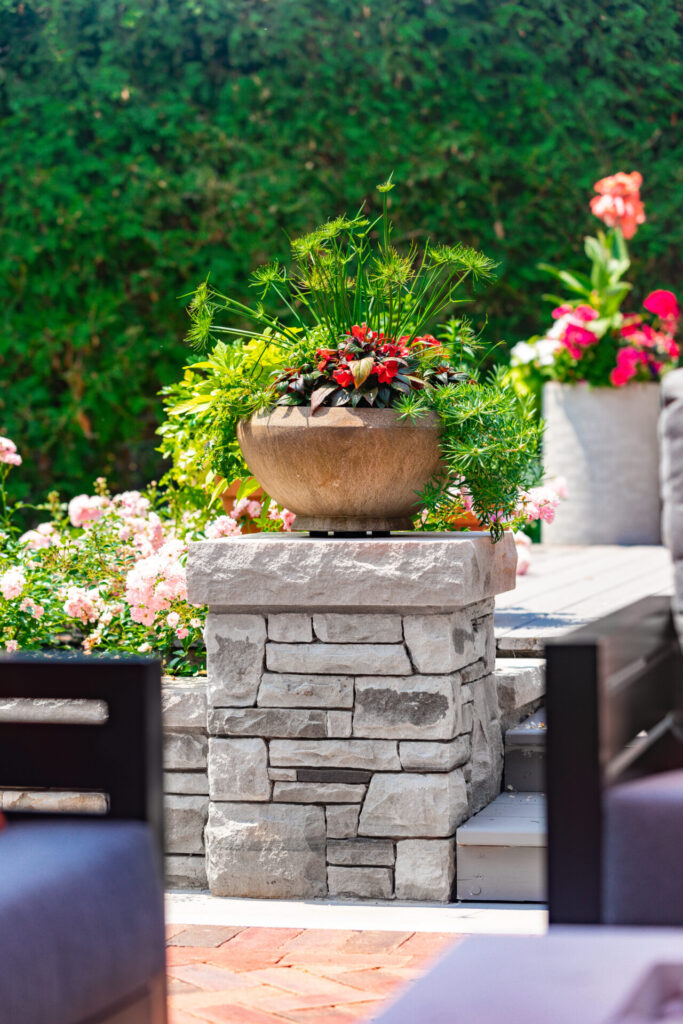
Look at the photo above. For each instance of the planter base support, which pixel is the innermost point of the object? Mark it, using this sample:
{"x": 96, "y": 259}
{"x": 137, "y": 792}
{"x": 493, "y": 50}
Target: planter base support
{"x": 356, "y": 526}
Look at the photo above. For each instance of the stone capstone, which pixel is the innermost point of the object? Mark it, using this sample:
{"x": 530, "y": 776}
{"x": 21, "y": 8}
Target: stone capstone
{"x": 345, "y": 659}
{"x": 411, "y": 805}
{"x": 425, "y": 572}
{"x": 184, "y": 820}
{"x": 284, "y": 690}
{"x": 235, "y": 647}
{"x": 425, "y": 707}
{"x": 434, "y": 757}
{"x": 290, "y": 627}
{"x": 374, "y": 755}
{"x": 358, "y": 629}
{"x": 425, "y": 869}
{"x": 361, "y": 883}
{"x": 238, "y": 769}
{"x": 354, "y": 852}
{"x": 266, "y": 851}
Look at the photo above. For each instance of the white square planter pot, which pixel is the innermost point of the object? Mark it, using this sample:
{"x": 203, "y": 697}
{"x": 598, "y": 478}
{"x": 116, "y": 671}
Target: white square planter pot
{"x": 604, "y": 442}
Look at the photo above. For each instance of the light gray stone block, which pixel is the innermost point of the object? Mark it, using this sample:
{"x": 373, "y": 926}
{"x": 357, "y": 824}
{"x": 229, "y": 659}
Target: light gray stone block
{"x": 183, "y": 704}
{"x": 487, "y": 752}
{"x": 234, "y": 658}
{"x": 238, "y": 769}
{"x": 361, "y": 883}
{"x": 290, "y": 627}
{"x": 77, "y": 711}
{"x": 284, "y": 690}
{"x": 375, "y": 755}
{"x": 520, "y": 682}
{"x": 184, "y": 751}
{"x": 358, "y": 629}
{"x": 63, "y": 801}
{"x": 184, "y": 821}
{"x": 267, "y": 722}
{"x": 355, "y": 852}
{"x": 443, "y": 643}
{"x": 285, "y": 572}
{"x": 425, "y": 869}
{"x": 339, "y": 724}
{"x": 408, "y": 805}
{"x": 434, "y": 757}
{"x": 413, "y": 707}
{"x": 467, "y": 718}
{"x": 185, "y": 872}
{"x": 317, "y": 793}
{"x": 282, "y": 774}
{"x": 342, "y": 821}
{"x": 345, "y": 659}
{"x": 266, "y": 851}
{"x": 189, "y": 783}
{"x": 475, "y": 671}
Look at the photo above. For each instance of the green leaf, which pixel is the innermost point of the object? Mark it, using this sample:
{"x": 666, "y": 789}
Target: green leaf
{"x": 247, "y": 487}
{"x": 361, "y": 370}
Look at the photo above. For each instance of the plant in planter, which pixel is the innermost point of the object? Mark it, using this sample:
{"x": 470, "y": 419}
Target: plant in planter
{"x": 368, "y": 417}
{"x": 598, "y": 368}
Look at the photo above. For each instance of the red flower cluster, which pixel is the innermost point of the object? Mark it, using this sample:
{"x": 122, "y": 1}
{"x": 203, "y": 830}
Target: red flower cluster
{"x": 388, "y": 354}
{"x": 576, "y": 337}
{"x": 648, "y": 347}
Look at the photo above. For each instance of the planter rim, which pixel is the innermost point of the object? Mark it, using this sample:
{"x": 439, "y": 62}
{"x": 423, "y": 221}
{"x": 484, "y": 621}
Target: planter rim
{"x": 341, "y": 416}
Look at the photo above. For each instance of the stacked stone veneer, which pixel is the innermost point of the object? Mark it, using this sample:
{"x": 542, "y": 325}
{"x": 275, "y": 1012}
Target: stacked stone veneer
{"x": 351, "y": 715}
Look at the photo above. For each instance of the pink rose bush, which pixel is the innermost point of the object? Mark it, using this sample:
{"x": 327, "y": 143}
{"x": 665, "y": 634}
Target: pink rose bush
{"x": 592, "y": 339}
{"x": 120, "y": 563}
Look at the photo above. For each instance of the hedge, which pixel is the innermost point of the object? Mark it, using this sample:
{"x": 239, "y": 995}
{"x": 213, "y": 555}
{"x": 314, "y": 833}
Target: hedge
{"x": 144, "y": 142}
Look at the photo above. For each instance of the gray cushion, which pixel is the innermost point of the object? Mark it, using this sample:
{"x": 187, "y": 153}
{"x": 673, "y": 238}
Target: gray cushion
{"x": 643, "y": 844}
{"x": 81, "y": 918}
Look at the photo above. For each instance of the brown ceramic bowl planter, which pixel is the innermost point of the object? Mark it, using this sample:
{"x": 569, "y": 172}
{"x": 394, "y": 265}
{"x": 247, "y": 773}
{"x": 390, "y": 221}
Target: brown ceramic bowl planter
{"x": 341, "y": 469}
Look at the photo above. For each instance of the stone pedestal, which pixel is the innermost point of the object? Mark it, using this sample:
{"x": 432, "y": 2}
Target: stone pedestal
{"x": 352, "y": 714}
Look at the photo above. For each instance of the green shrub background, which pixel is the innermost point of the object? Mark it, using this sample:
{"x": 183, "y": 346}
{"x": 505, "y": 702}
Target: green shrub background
{"x": 145, "y": 142}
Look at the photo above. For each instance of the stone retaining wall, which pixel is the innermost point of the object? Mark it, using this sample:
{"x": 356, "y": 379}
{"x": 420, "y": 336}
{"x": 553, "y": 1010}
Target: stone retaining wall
{"x": 345, "y": 745}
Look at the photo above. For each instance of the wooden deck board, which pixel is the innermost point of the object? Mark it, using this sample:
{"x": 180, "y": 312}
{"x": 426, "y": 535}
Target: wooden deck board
{"x": 568, "y": 587}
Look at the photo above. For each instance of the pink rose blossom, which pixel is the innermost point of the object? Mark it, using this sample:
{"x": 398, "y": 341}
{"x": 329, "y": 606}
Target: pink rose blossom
{"x": 196, "y": 623}
{"x": 8, "y": 452}
{"x": 11, "y": 646}
{"x": 288, "y": 519}
{"x": 224, "y": 526}
{"x": 154, "y": 582}
{"x": 42, "y": 537}
{"x": 172, "y": 619}
{"x": 85, "y": 509}
{"x": 12, "y": 582}
{"x": 182, "y": 632}
{"x": 36, "y": 610}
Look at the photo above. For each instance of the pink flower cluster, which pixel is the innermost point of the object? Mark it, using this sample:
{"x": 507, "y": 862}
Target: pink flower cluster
{"x": 83, "y": 604}
{"x": 648, "y": 347}
{"x": 572, "y": 332}
{"x": 12, "y": 582}
{"x": 618, "y": 202}
{"x": 154, "y": 582}
{"x": 87, "y": 508}
{"x": 8, "y": 452}
{"x": 36, "y": 610}
{"x": 42, "y": 537}
{"x": 224, "y": 526}
{"x": 541, "y": 502}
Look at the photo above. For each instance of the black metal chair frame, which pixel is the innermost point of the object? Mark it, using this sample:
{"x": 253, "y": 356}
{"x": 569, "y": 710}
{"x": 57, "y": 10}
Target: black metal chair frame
{"x": 607, "y": 683}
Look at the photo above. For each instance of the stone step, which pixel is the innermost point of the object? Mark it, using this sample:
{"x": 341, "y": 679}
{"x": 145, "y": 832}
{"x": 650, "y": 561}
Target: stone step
{"x": 525, "y": 755}
{"x": 521, "y": 687}
{"x": 501, "y": 851}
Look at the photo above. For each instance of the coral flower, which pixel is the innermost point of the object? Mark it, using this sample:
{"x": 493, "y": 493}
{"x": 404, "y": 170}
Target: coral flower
{"x": 386, "y": 371}
{"x": 618, "y": 202}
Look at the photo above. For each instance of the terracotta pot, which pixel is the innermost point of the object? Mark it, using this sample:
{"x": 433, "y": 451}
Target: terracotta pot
{"x": 467, "y": 521}
{"x": 349, "y": 470}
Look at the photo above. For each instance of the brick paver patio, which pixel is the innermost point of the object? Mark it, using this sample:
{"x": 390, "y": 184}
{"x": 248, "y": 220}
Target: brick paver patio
{"x": 272, "y": 975}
